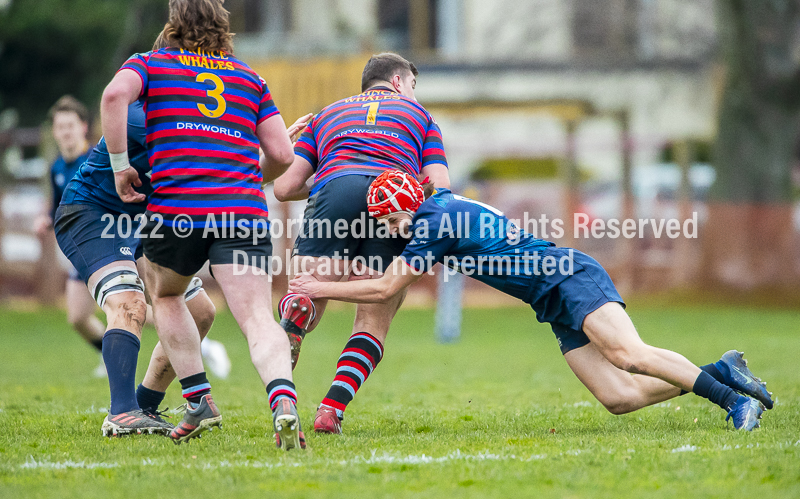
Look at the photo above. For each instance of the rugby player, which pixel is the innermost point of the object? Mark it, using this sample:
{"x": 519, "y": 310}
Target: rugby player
{"x": 207, "y": 112}
{"x": 565, "y": 288}
{"x": 346, "y": 146}
{"x": 70, "y": 120}
{"x": 96, "y": 231}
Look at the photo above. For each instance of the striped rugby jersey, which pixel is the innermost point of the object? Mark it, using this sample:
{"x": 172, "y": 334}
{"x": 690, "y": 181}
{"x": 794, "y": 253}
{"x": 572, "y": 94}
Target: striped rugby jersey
{"x": 369, "y": 133}
{"x": 201, "y": 111}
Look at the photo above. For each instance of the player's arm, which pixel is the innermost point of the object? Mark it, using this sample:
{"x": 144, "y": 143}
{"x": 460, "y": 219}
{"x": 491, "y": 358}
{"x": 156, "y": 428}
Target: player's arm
{"x": 437, "y": 173}
{"x": 123, "y": 90}
{"x": 277, "y": 147}
{"x": 398, "y": 277}
{"x": 292, "y": 186}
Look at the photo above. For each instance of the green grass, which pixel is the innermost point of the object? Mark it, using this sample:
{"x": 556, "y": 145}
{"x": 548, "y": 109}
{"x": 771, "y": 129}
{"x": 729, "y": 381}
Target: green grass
{"x": 497, "y": 415}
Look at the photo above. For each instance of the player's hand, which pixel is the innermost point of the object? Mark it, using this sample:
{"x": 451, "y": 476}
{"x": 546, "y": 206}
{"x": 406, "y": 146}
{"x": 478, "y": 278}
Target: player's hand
{"x": 125, "y": 181}
{"x": 296, "y": 128}
{"x": 306, "y": 284}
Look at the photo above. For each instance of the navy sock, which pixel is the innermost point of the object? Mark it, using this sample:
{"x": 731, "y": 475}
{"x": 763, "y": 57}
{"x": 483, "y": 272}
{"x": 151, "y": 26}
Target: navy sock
{"x": 120, "y": 353}
{"x": 713, "y": 371}
{"x": 707, "y": 387}
{"x": 195, "y": 386}
{"x": 148, "y": 399}
{"x": 98, "y": 344}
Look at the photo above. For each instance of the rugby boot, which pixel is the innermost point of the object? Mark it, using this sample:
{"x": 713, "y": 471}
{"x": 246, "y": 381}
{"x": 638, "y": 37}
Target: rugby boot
{"x": 746, "y": 413}
{"x": 156, "y": 414}
{"x": 196, "y": 420}
{"x": 296, "y": 312}
{"x": 327, "y": 421}
{"x": 134, "y": 422}
{"x": 286, "y": 422}
{"x": 734, "y": 369}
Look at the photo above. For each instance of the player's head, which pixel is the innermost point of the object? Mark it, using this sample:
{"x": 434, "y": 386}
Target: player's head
{"x": 198, "y": 25}
{"x": 393, "y": 198}
{"x": 70, "y": 120}
{"x": 392, "y": 69}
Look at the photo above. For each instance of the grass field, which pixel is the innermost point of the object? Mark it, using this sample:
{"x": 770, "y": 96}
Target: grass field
{"x": 497, "y": 415}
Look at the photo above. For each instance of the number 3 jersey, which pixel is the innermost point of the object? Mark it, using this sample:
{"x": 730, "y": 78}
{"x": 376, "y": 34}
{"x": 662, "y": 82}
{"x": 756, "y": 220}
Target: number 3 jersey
{"x": 202, "y": 110}
{"x": 369, "y": 133}
{"x": 475, "y": 239}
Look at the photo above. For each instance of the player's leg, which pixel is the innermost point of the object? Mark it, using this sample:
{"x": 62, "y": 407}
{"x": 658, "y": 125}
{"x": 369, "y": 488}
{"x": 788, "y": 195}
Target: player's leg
{"x": 180, "y": 339}
{"x": 619, "y": 391}
{"x": 249, "y": 298}
{"x": 335, "y": 221}
{"x": 150, "y": 393}
{"x": 360, "y": 357}
{"x": 80, "y": 313}
{"x": 298, "y": 314}
{"x": 364, "y": 349}
{"x": 107, "y": 266}
{"x": 81, "y": 316}
{"x": 611, "y": 331}
{"x": 120, "y": 293}
{"x": 170, "y": 263}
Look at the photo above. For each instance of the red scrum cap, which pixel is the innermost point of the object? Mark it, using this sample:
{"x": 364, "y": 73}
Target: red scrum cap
{"x": 394, "y": 192}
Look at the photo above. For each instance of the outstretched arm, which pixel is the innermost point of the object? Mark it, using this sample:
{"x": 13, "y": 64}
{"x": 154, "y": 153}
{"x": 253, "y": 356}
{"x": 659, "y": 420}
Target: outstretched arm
{"x": 398, "y": 277}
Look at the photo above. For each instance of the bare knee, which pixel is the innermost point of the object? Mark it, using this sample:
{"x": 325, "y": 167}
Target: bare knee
{"x": 204, "y": 318}
{"x": 619, "y": 403}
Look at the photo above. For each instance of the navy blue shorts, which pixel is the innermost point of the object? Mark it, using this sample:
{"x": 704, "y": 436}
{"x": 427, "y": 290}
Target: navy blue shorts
{"x": 565, "y": 299}
{"x": 90, "y": 236}
{"x": 345, "y": 198}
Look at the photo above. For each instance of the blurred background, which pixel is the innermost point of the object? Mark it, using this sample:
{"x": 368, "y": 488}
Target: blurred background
{"x": 612, "y": 108}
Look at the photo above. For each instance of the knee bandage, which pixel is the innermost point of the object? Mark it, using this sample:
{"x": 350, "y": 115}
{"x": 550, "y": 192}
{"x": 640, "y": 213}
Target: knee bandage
{"x": 193, "y": 289}
{"x": 116, "y": 280}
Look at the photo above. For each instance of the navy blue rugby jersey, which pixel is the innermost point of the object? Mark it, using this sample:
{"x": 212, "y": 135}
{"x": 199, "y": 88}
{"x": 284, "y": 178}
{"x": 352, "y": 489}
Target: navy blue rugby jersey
{"x": 61, "y": 172}
{"x": 476, "y": 239}
{"x": 94, "y": 181}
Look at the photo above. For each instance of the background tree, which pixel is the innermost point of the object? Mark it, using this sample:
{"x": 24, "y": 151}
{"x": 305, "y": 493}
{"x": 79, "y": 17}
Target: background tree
{"x": 749, "y": 232}
{"x": 52, "y": 47}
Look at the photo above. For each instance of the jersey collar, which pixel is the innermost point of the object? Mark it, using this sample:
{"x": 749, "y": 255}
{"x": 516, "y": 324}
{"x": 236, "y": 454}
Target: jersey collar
{"x": 380, "y": 88}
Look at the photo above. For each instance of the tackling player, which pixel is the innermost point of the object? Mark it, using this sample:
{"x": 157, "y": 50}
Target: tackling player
{"x": 207, "y": 112}
{"x": 565, "y": 287}
{"x": 346, "y": 146}
{"x": 70, "y": 120}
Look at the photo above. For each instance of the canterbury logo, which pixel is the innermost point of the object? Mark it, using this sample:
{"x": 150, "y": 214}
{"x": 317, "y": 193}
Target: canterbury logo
{"x": 126, "y": 251}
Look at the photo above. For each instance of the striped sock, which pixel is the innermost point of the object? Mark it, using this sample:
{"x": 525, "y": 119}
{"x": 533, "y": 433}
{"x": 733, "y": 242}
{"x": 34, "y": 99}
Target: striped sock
{"x": 278, "y": 389}
{"x": 359, "y": 358}
{"x": 195, "y": 386}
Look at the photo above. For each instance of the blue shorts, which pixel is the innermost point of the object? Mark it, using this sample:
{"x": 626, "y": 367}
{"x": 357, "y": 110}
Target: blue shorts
{"x": 565, "y": 299}
{"x": 91, "y": 241}
{"x": 345, "y": 198}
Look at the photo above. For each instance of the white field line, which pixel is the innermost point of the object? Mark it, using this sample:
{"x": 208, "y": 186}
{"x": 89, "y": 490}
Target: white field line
{"x": 375, "y": 458}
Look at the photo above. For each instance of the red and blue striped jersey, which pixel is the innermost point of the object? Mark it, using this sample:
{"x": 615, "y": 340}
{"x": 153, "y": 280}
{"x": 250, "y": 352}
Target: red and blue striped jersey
{"x": 369, "y": 133}
{"x": 202, "y": 110}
